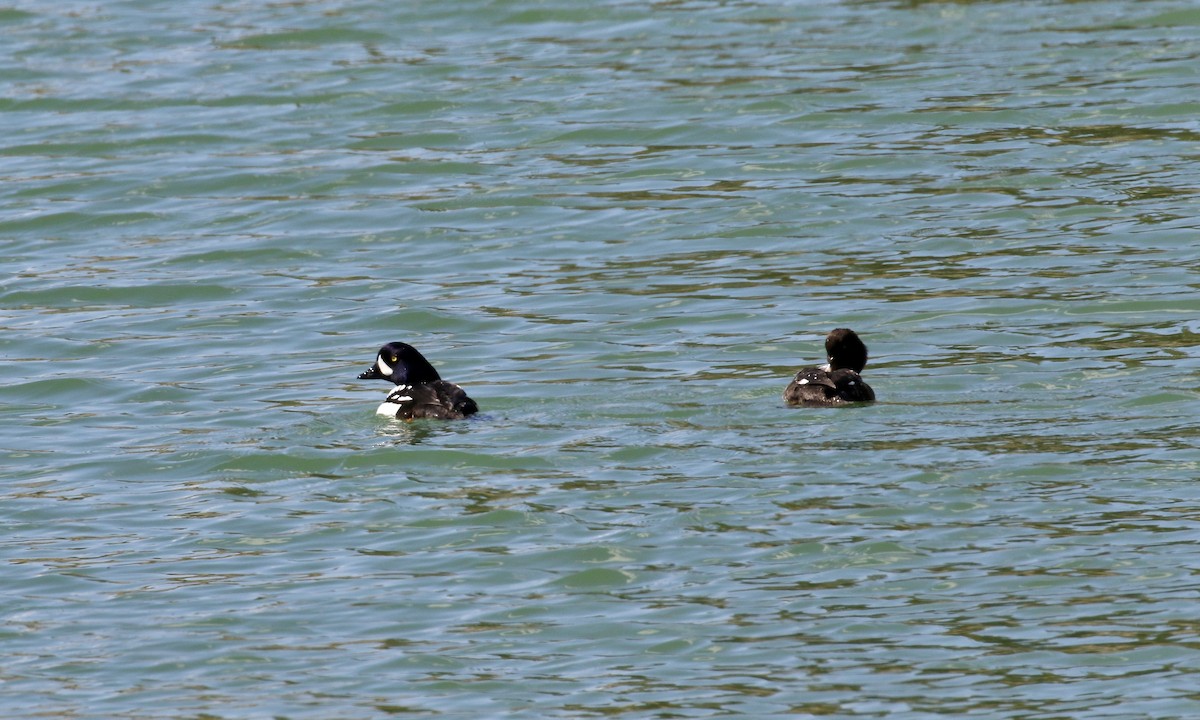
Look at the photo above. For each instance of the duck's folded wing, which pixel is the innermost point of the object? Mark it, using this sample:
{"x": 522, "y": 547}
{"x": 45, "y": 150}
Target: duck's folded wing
{"x": 459, "y": 401}
{"x": 399, "y": 403}
{"x": 442, "y": 400}
{"x": 811, "y": 385}
{"x": 850, "y": 386}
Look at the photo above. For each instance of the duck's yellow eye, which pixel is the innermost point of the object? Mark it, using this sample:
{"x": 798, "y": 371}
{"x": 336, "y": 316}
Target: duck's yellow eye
{"x": 394, "y": 358}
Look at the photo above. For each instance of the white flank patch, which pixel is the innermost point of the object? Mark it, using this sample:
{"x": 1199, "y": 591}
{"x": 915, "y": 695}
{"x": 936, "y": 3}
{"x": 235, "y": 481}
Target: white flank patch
{"x": 803, "y": 381}
{"x": 388, "y": 408}
{"x": 392, "y": 405}
{"x": 383, "y": 367}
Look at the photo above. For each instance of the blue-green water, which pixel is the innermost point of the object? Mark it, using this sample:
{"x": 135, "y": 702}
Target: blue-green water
{"x": 621, "y": 226}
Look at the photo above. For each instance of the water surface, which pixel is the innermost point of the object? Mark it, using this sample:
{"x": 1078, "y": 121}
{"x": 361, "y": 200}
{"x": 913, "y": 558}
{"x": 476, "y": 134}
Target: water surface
{"x": 621, "y": 227}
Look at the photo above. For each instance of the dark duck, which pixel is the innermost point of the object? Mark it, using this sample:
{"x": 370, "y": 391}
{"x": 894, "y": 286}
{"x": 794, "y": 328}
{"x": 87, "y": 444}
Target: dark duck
{"x": 420, "y": 392}
{"x": 838, "y": 382}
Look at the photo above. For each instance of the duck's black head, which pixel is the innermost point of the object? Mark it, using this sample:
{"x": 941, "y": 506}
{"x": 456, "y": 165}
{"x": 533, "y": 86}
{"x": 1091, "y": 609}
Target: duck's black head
{"x": 845, "y": 350}
{"x": 402, "y": 364}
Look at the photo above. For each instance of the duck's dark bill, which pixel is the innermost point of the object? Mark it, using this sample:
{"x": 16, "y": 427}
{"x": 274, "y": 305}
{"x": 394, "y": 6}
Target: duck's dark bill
{"x": 372, "y": 373}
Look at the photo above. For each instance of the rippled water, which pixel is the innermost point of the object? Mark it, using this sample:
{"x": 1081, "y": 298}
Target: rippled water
{"x": 621, "y": 226}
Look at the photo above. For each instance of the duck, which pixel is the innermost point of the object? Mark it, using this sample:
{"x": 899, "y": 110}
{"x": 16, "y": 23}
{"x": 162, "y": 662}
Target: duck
{"x": 420, "y": 392}
{"x": 837, "y": 382}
